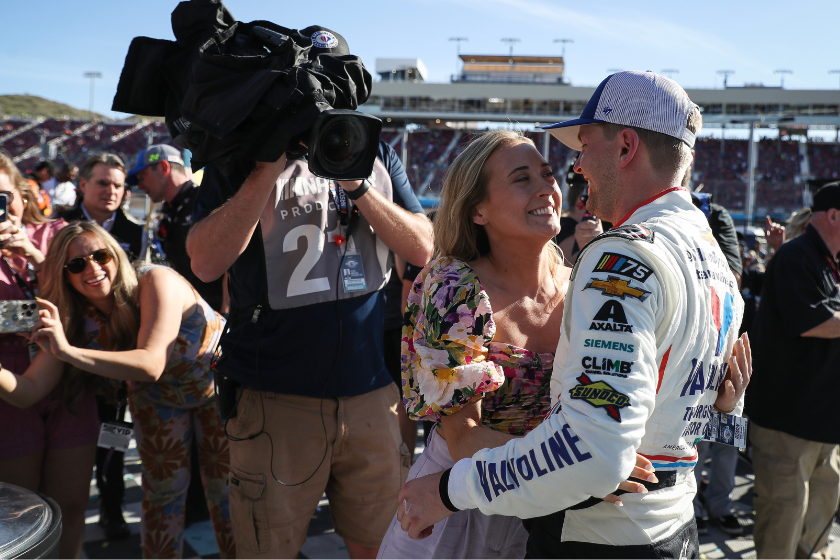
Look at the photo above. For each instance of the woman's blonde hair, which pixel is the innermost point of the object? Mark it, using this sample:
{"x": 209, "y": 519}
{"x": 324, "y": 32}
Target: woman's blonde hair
{"x": 797, "y": 223}
{"x": 31, "y": 212}
{"x": 464, "y": 187}
{"x": 119, "y": 331}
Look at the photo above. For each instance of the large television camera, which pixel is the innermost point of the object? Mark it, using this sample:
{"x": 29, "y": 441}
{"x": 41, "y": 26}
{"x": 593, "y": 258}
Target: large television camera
{"x": 236, "y": 92}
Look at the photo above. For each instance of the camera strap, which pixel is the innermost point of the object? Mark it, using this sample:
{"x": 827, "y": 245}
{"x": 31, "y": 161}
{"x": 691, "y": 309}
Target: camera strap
{"x": 30, "y": 288}
{"x": 344, "y": 212}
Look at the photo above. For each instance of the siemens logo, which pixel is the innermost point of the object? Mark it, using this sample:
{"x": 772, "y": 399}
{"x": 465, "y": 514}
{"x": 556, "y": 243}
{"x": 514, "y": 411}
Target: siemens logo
{"x": 608, "y": 344}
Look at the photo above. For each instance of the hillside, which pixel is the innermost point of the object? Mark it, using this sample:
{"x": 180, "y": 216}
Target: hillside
{"x": 32, "y": 106}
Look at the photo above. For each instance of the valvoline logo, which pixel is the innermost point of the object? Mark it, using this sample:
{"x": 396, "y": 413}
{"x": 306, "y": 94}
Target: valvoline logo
{"x": 723, "y": 314}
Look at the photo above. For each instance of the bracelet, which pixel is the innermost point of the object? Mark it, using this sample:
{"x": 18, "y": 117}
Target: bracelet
{"x": 358, "y": 193}
{"x": 443, "y": 490}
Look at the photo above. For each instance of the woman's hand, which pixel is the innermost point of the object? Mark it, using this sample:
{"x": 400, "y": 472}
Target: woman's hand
{"x": 642, "y": 471}
{"x": 15, "y": 242}
{"x": 738, "y": 376}
{"x": 49, "y": 332}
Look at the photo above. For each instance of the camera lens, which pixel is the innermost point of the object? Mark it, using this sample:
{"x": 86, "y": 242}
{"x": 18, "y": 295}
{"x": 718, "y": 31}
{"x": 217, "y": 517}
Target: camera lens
{"x": 343, "y": 142}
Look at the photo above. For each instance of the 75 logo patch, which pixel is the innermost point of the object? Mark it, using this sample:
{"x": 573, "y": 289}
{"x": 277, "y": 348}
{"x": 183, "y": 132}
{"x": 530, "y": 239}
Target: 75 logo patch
{"x": 625, "y": 266}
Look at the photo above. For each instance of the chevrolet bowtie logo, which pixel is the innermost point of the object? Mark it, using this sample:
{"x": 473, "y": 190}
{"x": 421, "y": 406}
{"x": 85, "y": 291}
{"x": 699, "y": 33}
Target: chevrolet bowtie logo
{"x": 617, "y": 288}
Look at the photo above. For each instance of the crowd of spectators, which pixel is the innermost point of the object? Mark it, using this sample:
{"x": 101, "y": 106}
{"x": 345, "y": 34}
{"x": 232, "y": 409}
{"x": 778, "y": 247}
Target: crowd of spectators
{"x": 721, "y": 165}
{"x": 130, "y": 139}
{"x": 824, "y": 159}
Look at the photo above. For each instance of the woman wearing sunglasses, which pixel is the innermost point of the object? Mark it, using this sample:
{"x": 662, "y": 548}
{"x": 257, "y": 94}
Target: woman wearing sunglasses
{"x": 151, "y": 329}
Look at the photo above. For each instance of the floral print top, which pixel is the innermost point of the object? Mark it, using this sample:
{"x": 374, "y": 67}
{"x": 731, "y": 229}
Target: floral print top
{"x": 187, "y": 379}
{"x": 449, "y": 358}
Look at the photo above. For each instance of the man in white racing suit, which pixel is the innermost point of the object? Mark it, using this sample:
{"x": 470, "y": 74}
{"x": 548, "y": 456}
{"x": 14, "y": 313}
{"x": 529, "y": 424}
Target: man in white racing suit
{"x": 650, "y": 321}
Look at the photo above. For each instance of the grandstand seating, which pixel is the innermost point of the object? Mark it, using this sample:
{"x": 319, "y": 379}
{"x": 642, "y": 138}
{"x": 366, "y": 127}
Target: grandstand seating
{"x": 76, "y": 147}
{"x": 824, "y": 160}
{"x": 720, "y": 166}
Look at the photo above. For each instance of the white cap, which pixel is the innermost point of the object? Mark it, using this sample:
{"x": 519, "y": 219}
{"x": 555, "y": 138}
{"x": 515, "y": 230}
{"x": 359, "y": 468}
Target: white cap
{"x": 631, "y": 98}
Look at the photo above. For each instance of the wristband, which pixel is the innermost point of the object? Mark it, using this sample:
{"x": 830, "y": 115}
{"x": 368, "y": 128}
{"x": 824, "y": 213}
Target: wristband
{"x": 443, "y": 490}
{"x": 358, "y": 193}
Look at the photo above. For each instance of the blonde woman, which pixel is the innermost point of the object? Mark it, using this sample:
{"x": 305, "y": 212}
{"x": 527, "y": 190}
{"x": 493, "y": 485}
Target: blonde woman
{"x": 151, "y": 329}
{"x": 483, "y": 322}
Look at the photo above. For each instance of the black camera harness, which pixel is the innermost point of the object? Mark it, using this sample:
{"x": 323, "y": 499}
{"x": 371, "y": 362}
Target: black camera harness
{"x": 349, "y": 220}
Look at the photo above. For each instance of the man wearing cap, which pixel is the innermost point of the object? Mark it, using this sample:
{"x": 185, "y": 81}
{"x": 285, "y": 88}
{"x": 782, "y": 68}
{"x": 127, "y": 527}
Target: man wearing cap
{"x": 160, "y": 173}
{"x": 101, "y": 191}
{"x": 651, "y": 318}
{"x": 793, "y": 402}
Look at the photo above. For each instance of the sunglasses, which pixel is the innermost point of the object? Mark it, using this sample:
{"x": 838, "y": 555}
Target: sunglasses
{"x": 78, "y": 265}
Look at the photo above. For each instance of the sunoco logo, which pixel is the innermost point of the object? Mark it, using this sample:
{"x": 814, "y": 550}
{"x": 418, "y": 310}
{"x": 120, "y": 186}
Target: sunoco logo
{"x": 600, "y": 395}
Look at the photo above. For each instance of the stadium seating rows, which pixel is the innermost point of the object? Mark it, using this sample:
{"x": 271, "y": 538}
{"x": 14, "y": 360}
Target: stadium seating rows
{"x": 720, "y": 165}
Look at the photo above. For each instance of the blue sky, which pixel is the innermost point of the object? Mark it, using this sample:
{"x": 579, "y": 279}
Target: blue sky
{"x": 47, "y": 45}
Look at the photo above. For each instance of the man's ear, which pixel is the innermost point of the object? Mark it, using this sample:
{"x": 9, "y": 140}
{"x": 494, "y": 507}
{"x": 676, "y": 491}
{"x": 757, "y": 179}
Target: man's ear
{"x": 629, "y": 144}
{"x": 82, "y": 186}
{"x": 478, "y": 217}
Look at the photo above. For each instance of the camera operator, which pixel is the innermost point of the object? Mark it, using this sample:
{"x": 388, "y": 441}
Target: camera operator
{"x": 305, "y": 344}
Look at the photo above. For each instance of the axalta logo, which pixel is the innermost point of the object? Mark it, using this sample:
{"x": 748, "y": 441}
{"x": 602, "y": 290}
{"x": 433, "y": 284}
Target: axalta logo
{"x": 614, "y": 287}
{"x": 324, "y": 40}
{"x": 600, "y": 395}
{"x": 611, "y": 317}
{"x": 606, "y": 366}
{"x": 608, "y": 345}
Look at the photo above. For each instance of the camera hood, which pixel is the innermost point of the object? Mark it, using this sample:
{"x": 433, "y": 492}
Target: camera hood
{"x": 233, "y": 91}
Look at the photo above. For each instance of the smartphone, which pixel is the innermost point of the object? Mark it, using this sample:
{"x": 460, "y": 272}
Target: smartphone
{"x": 18, "y": 315}
{"x": 4, "y": 206}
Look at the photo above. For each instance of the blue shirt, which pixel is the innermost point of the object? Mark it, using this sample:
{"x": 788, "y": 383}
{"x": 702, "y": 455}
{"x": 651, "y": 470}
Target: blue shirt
{"x": 332, "y": 349}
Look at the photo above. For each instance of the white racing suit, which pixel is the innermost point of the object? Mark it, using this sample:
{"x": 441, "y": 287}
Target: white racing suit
{"x": 651, "y": 317}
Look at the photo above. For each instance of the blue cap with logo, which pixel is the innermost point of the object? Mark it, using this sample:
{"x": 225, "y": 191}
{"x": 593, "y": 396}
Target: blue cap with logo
{"x": 631, "y": 98}
{"x": 150, "y": 156}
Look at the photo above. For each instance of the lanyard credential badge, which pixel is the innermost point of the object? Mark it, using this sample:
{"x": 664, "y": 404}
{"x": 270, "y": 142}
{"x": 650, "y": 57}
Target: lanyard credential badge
{"x": 353, "y": 270}
{"x": 115, "y": 435}
{"x": 726, "y": 429}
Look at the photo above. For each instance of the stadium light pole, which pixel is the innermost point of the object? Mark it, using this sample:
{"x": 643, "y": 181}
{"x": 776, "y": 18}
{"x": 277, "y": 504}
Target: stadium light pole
{"x": 564, "y": 42}
{"x": 93, "y": 76}
{"x": 458, "y": 41}
{"x": 511, "y": 41}
{"x": 834, "y": 71}
{"x": 668, "y": 72}
{"x": 725, "y": 74}
{"x": 783, "y": 72}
